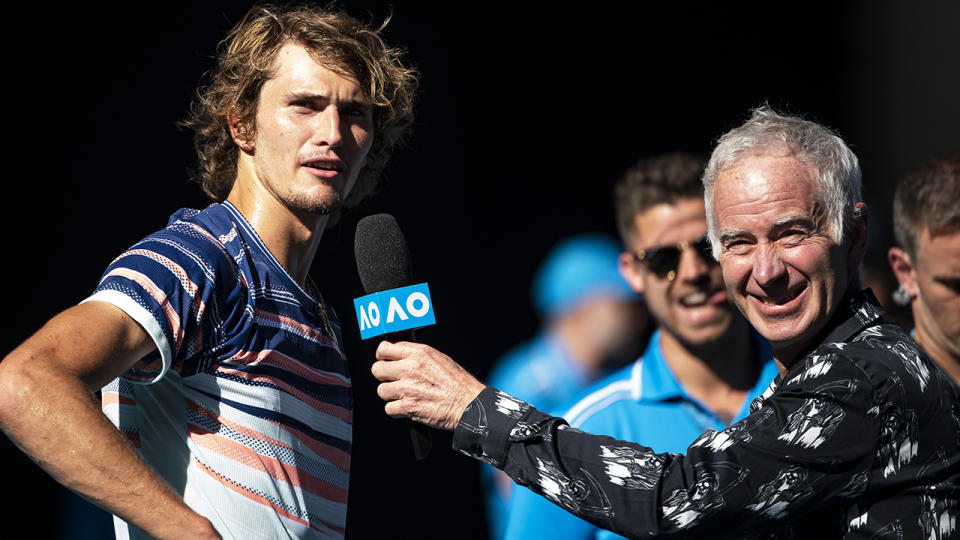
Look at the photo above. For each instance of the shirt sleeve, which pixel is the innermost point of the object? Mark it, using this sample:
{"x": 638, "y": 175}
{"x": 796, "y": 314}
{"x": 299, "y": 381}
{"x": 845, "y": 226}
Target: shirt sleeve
{"x": 173, "y": 284}
{"x": 804, "y": 445}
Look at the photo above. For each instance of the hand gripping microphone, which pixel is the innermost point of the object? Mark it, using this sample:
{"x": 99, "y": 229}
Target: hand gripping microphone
{"x": 383, "y": 263}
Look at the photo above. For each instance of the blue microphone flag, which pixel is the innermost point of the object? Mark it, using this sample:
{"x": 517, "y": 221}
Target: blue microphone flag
{"x": 393, "y": 310}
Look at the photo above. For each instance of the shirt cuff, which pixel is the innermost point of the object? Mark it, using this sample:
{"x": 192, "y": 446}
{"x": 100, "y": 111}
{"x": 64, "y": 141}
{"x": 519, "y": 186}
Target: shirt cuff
{"x": 492, "y": 421}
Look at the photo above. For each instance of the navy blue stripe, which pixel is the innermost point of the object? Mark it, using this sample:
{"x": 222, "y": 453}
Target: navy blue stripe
{"x": 317, "y": 356}
{"x": 274, "y": 416}
{"x": 333, "y": 394}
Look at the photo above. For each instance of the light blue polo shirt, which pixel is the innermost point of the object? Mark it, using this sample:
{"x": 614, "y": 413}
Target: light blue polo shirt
{"x": 542, "y": 373}
{"x": 642, "y": 403}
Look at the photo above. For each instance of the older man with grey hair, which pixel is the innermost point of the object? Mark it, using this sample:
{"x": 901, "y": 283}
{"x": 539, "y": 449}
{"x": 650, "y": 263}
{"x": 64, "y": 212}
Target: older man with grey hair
{"x": 859, "y": 435}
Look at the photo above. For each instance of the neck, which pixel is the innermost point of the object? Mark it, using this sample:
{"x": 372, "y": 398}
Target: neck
{"x": 786, "y": 354}
{"x": 291, "y": 237}
{"x": 719, "y": 373}
{"x": 949, "y": 363}
{"x": 580, "y": 346}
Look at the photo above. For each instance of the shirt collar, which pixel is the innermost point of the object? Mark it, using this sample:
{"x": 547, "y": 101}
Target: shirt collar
{"x": 854, "y": 313}
{"x": 652, "y": 379}
{"x": 652, "y": 376}
{"x": 251, "y": 240}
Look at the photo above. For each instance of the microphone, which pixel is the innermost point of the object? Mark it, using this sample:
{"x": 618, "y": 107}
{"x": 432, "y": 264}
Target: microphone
{"x": 383, "y": 263}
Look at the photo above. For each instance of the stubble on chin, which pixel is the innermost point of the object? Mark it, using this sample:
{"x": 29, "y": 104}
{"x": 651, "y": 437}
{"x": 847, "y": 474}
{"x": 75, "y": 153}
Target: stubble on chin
{"x": 316, "y": 206}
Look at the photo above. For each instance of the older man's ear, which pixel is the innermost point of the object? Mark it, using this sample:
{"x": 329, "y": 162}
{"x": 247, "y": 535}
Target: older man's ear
{"x": 858, "y": 235}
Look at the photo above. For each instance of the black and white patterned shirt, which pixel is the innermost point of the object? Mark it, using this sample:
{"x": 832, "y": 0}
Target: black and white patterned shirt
{"x": 860, "y": 439}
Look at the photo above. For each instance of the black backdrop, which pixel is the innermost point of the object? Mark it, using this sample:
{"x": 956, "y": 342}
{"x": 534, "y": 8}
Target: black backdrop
{"x": 526, "y": 118}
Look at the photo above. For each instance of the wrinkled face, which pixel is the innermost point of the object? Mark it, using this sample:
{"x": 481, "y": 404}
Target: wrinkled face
{"x": 936, "y": 309}
{"x": 693, "y": 307}
{"x": 779, "y": 263}
{"x": 313, "y": 131}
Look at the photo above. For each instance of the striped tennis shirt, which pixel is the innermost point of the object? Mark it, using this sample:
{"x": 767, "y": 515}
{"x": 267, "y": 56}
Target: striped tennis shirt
{"x": 245, "y": 407}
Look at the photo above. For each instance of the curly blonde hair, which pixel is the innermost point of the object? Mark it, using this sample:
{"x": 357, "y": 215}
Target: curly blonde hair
{"x": 247, "y": 59}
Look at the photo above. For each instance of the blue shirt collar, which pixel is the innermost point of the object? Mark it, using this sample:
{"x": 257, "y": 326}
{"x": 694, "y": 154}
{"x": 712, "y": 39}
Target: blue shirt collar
{"x": 652, "y": 380}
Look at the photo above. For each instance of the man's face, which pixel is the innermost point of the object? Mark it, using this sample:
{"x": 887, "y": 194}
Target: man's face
{"x": 693, "y": 306}
{"x": 313, "y": 131}
{"x": 936, "y": 274}
{"x": 779, "y": 263}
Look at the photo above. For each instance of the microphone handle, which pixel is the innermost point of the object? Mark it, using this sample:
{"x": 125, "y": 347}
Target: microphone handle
{"x": 419, "y": 433}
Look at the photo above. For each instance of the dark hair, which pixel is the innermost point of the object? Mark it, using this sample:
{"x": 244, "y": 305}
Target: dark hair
{"x": 247, "y": 59}
{"x": 927, "y": 198}
{"x": 661, "y": 179}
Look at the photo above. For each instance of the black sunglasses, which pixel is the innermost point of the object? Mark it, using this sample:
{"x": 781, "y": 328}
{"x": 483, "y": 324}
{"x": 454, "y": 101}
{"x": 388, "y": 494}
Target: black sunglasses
{"x": 663, "y": 260}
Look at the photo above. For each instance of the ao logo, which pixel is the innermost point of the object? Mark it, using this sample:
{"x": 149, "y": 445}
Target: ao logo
{"x": 394, "y": 310}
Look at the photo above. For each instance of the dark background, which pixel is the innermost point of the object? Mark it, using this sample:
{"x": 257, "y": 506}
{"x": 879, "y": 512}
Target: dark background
{"x": 526, "y": 118}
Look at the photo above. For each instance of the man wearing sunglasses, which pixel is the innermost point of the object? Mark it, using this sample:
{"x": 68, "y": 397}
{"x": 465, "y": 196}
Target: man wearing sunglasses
{"x": 857, "y": 437}
{"x": 703, "y": 365}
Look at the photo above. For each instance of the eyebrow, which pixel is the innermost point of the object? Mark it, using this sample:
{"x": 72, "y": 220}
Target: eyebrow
{"x": 806, "y": 222}
{"x": 727, "y": 234}
{"x": 313, "y": 96}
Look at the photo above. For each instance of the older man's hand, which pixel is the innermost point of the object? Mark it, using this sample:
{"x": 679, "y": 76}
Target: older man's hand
{"x": 422, "y": 383}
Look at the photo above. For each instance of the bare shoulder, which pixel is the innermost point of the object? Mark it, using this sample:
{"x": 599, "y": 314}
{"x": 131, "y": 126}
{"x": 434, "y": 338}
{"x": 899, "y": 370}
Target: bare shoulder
{"x": 93, "y": 341}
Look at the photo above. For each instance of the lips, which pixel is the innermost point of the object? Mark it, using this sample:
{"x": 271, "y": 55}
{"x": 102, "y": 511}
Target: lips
{"x": 324, "y": 167}
{"x": 779, "y": 303}
{"x": 702, "y": 298}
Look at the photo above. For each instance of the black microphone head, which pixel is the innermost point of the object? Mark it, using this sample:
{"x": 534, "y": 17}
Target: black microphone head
{"x": 380, "y": 248}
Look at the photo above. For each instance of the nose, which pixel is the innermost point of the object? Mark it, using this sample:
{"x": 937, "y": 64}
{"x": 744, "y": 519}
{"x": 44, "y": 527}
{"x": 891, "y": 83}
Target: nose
{"x": 328, "y": 132}
{"x": 768, "y": 267}
{"x": 691, "y": 267}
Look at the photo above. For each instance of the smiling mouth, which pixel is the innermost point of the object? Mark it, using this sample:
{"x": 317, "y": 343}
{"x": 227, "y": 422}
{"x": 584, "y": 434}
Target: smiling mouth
{"x": 780, "y": 300}
{"x": 698, "y": 298}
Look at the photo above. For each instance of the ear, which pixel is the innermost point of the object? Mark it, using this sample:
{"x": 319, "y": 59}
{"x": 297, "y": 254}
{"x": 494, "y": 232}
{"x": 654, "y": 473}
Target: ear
{"x": 903, "y": 268}
{"x": 240, "y": 132}
{"x": 858, "y": 234}
{"x": 630, "y": 272}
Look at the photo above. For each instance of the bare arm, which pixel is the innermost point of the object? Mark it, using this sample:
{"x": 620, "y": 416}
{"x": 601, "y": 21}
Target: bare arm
{"x": 47, "y": 409}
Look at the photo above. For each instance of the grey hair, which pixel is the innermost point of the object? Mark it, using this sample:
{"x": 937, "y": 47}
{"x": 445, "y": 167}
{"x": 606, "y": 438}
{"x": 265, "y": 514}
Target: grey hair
{"x": 838, "y": 170}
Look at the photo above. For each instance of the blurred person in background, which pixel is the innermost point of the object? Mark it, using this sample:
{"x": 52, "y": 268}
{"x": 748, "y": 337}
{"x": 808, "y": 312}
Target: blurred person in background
{"x": 592, "y": 320}
{"x": 926, "y": 261}
{"x": 857, "y": 437}
{"x": 703, "y": 365}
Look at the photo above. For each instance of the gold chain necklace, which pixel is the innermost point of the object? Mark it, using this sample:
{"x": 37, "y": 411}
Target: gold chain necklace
{"x": 323, "y": 310}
